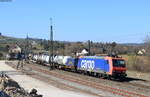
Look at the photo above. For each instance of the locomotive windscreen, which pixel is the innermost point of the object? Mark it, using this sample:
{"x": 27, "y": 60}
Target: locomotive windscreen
{"x": 118, "y": 63}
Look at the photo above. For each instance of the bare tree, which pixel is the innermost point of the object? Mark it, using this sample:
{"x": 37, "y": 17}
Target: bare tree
{"x": 147, "y": 43}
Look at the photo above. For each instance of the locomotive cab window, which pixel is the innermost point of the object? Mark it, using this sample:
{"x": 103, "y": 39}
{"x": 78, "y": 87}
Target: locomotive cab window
{"x": 118, "y": 63}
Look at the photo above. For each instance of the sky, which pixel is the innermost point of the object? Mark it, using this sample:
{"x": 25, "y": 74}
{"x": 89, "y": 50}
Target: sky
{"x": 121, "y": 21}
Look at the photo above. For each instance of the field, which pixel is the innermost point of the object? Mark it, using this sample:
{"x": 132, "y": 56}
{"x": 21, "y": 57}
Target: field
{"x": 138, "y": 63}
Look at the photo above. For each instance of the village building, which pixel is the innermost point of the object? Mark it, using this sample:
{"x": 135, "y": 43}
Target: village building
{"x": 14, "y": 49}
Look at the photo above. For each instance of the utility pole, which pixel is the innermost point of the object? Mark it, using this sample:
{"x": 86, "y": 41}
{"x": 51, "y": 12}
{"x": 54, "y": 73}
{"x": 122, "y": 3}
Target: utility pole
{"x": 51, "y": 46}
{"x": 89, "y": 47}
{"x": 27, "y": 45}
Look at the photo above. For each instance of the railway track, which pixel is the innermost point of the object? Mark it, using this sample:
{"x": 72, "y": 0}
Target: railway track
{"x": 91, "y": 84}
{"x": 37, "y": 75}
{"x": 61, "y": 85}
{"x": 137, "y": 87}
{"x": 88, "y": 83}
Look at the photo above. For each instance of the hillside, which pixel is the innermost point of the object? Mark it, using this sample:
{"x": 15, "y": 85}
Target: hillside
{"x": 65, "y": 47}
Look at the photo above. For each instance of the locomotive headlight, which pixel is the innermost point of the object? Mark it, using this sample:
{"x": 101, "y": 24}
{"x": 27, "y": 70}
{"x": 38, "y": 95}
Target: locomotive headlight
{"x": 123, "y": 71}
{"x": 114, "y": 71}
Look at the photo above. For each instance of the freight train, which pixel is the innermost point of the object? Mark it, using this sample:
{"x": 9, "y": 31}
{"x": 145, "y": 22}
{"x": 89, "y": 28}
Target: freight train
{"x": 111, "y": 67}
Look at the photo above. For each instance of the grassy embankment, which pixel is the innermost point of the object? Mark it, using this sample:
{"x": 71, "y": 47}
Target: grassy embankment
{"x": 137, "y": 63}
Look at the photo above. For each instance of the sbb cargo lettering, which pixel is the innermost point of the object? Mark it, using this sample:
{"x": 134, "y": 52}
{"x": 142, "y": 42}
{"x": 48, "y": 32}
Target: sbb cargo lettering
{"x": 87, "y": 64}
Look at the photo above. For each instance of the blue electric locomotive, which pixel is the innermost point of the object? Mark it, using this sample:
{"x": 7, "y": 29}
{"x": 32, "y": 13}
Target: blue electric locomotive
{"x": 99, "y": 65}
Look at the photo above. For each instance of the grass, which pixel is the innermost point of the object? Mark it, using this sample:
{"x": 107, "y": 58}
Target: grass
{"x": 138, "y": 63}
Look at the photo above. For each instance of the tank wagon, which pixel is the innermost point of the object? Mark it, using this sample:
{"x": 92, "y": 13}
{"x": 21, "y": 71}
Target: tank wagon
{"x": 40, "y": 58}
